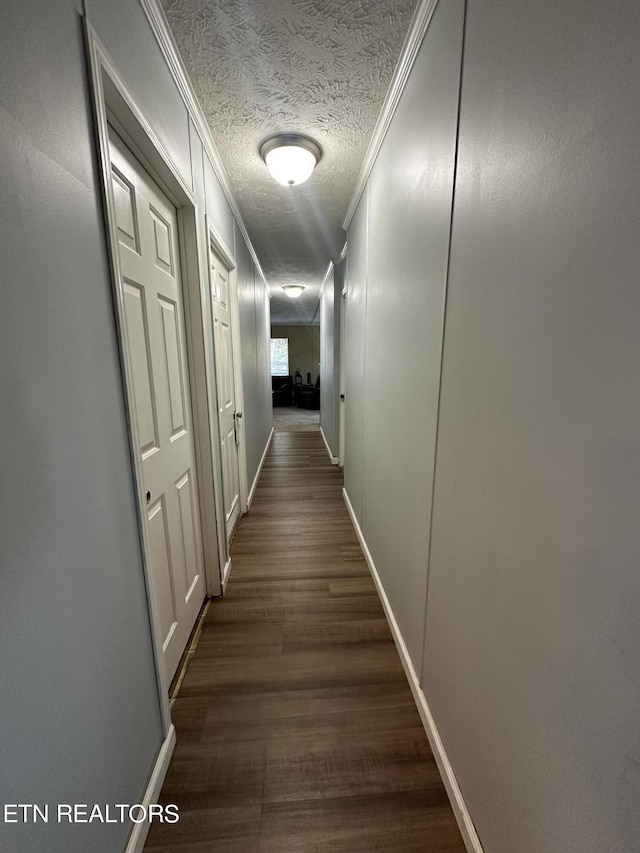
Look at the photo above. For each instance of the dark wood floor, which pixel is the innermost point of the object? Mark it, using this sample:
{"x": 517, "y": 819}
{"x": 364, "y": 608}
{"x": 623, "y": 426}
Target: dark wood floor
{"x": 297, "y": 731}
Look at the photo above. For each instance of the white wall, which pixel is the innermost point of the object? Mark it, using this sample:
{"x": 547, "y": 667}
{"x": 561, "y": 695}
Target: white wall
{"x": 330, "y": 309}
{"x": 533, "y": 669}
{"x": 410, "y": 192}
{"x": 398, "y": 248}
{"x": 304, "y": 348}
{"x": 355, "y": 353}
{"x": 79, "y": 715}
{"x": 531, "y": 635}
{"x": 253, "y": 301}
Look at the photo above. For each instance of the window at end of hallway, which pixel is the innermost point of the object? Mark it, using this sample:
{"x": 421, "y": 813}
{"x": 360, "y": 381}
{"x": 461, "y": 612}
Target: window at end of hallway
{"x": 279, "y": 356}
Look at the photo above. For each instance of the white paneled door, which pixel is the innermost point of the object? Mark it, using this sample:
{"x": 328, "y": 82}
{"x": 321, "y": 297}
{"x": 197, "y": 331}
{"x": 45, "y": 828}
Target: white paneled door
{"x": 153, "y": 325}
{"x": 227, "y": 414}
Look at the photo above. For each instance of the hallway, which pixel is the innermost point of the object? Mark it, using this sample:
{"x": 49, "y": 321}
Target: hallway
{"x": 297, "y": 731}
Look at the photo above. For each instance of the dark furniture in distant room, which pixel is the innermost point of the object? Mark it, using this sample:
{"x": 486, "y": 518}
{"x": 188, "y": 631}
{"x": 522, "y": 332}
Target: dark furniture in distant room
{"x": 298, "y": 391}
{"x": 282, "y": 390}
{"x": 310, "y": 398}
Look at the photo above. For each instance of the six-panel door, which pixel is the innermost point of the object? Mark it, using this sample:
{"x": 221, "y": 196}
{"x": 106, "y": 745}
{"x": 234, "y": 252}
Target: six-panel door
{"x": 221, "y": 309}
{"x": 154, "y": 328}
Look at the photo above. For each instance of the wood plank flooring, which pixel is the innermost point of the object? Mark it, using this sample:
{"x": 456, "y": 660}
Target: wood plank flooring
{"x": 297, "y": 731}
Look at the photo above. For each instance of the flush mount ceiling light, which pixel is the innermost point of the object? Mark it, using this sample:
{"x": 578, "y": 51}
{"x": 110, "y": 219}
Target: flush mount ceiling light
{"x": 293, "y": 290}
{"x": 290, "y": 157}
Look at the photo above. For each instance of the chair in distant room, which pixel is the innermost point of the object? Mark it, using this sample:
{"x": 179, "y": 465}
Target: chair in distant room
{"x": 282, "y": 390}
{"x": 311, "y": 399}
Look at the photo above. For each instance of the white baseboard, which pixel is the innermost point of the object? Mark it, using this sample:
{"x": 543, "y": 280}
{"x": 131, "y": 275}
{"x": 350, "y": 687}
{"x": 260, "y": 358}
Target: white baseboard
{"x": 259, "y": 471}
{"x": 225, "y": 575}
{"x": 141, "y": 830}
{"x": 467, "y": 829}
{"x": 334, "y": 459}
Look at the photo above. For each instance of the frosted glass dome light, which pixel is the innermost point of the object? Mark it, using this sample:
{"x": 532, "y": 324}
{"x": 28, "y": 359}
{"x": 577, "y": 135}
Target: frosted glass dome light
{"x": 290, "y": 157}
{"x": 293, "y": 290}
{"x": 290, "y": 165}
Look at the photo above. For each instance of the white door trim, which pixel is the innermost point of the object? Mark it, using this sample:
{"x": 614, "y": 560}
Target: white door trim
{"x": 239, "y": 389}
{"x": 342, "y": 381}
{"x": 113, "y": 104}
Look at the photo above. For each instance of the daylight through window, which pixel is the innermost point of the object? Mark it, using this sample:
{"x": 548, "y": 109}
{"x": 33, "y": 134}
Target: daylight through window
{"x": 279, "y": 356}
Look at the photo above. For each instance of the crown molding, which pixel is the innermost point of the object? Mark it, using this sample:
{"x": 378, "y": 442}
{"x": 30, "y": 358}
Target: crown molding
{"x": 331, "y": 267}
{"x": 417, "y": 31}
{"x": 326, "y": 278}
{"x": 167, "y": 44}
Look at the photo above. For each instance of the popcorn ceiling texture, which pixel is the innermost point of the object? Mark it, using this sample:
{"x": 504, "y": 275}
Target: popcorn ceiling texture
{"x": 319, "y": 67}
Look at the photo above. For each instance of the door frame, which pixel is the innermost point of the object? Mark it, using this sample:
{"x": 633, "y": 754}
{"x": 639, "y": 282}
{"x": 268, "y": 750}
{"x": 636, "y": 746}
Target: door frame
{"x": 113, "y": 105}
{"x": 217, "y": 245}
{"x": 342, "y": 372}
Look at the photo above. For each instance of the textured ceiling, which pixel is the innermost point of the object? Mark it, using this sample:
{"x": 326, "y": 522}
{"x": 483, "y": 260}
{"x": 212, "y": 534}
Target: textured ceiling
{"x": 320, "y": 67}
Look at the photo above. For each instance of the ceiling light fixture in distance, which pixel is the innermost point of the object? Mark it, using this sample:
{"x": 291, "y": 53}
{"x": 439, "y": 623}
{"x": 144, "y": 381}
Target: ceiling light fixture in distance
{"x": 293, "y": 290}
{"x": 290, "y": 157}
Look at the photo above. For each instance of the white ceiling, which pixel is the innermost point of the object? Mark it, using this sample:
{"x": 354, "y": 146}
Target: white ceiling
{"x": 319, "y": 67}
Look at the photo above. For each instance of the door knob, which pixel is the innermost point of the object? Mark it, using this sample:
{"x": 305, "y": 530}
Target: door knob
{"x": 342, "y": 396}
{"x": 238, "y": 414}
{"x": 148, "y": 495}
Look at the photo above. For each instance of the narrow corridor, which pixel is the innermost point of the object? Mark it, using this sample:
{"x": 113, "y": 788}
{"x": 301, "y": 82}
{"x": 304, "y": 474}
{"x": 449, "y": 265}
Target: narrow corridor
{"x": 297, "y": 730}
